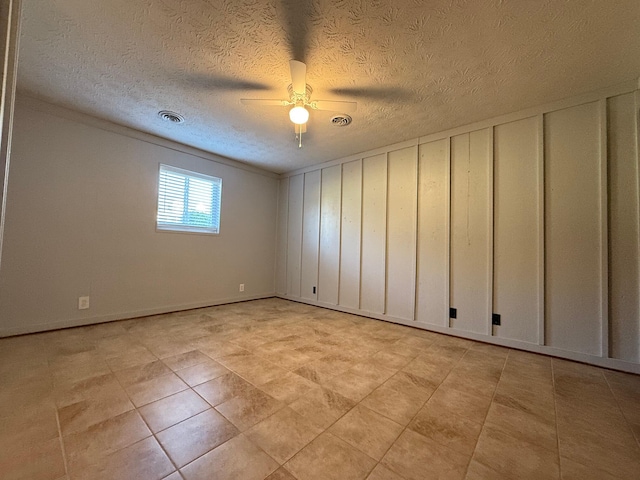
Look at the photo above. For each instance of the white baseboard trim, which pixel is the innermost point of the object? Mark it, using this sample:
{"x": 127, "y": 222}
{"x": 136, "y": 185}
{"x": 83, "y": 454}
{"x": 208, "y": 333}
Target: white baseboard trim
{"x": 611, "y": 363}
{"x": 113, "y": 317}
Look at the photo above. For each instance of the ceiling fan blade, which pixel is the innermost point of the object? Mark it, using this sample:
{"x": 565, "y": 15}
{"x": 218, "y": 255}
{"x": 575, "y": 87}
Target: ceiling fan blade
{"x": 333, "y": 106}
{"x": 263, "y": 101}
{"x": 298, "y": 76}
{"x": 301, "y": 128}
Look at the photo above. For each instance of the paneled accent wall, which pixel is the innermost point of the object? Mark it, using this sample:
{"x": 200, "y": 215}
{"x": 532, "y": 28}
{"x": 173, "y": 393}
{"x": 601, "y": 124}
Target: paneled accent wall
{"x": 531, "y": 216}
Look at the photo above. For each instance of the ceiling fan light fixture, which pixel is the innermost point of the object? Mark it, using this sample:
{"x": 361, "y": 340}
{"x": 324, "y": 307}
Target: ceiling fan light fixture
{"x": 299, "y": 115}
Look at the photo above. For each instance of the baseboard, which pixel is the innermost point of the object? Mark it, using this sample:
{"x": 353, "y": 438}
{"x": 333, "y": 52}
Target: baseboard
{"x": 80, "y": 322}
{"x": 611, "y": 363}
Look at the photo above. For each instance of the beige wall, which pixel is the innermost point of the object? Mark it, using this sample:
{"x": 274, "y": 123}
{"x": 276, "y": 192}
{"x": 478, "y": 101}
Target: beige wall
{"x": 533, "y": 216}
{"x": 81, "y": 209}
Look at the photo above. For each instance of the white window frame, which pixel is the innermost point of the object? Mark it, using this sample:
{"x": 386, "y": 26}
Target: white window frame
{"x": 184, "y": 227}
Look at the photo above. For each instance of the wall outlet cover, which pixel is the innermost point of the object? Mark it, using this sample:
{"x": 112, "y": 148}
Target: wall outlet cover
{"x": 83, "y": 303}
{"x": 453, "y": 312}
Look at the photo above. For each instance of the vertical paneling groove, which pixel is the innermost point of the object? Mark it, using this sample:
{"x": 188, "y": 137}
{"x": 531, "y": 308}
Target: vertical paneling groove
{"x": 541, "y": 228}
{"x": 490, "y": 234}
{"x": 447, "y": 280}
{"x": 604, "y": 232}
{"x": 386, "y": 238}
{"x": 636, "y": 115}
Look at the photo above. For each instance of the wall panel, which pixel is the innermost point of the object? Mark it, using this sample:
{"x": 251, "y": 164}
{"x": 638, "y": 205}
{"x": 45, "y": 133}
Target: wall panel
{"x": 374, "y": 232}
{"x": 623, "y": 228}
{"x": 572, "y": 229}
{"x": 310, "y": 236}
{"x": 432, "y": 301}
{"x": 281, "y": 245}
{"x": 350, "y": 234}
{"x": 516, "y": 229}
{"x": 401, "y": 233}
{"x": 470, "y": 236}
{"x": 294, "y": 235}
{"x": 329, "y": 265}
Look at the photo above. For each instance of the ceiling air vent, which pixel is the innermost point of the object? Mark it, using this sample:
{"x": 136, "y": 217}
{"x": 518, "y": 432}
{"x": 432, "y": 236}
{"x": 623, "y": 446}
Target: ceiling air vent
{"x": 169, "y": 116}
{"x": 341, "y": 120}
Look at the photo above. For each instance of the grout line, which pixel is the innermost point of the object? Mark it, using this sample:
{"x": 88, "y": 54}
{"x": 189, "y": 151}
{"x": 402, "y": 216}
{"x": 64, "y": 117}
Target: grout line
{"x": 555, "y": 412}
{"x": 615, "y": 398}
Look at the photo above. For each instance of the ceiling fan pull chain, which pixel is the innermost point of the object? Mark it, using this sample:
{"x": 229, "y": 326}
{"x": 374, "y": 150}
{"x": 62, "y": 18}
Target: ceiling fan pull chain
{"x": 300, "y": 139}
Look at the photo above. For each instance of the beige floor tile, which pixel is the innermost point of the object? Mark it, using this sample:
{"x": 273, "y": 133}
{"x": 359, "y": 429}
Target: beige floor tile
{"x": 329, "y": 458}
{"x": 236, "y": 459}
{"x": 383, "y": 473}
{"x": 415, "y": 457}
{"x": 195, "y": 436}
{"x": 458, "y": 402}
{"x": 98, "y": 387}
{"x": 223, "y": 388}
{"x": 81, "y": 415}
{"x": 621, "y": 459}
{"x": 283, "y": 434}
{"x": 313, "y": 374}
{"x": 521, "y": 460}
{"x": 142, "y": 373}
{"x": 441, "y": 426}
{"x": 398, "y": 401}
{"x": 351, "y": 385}
{"x": 37, "y": 425}
{"x": 478, "y": 471}
{"x": 173, "y": 409}
{"x": 202, "y": 372}
{"x": 185, "y": 360}
{"x": 322, "y": 406}
{"x": 523, "y": 425}
{"x": 37, "y": 461}
{"x": 252, "y": 368}
{"x": 155, "y": 389}
{"x": 281, "y": 474}
{"x": 433, "y": 370}
{"x": 287, "y": 359}
{"x": 174, "y": 476}
{"x": 131, "y": 358}
{"x": 142, "y": 460}
{"x": 288, "y": 388}
{"x": 368, "y": 431}
{"x": 214, "y": 348}
{"x": 575, "y": 471}
{"x": 89, "y": 446}
{"x": 249, "y": 408}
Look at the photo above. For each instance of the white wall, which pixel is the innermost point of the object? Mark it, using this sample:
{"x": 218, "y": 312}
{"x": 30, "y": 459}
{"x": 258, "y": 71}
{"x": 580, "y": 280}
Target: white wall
{"x": 81, "y": 212}
{"x": 533, "y": 216}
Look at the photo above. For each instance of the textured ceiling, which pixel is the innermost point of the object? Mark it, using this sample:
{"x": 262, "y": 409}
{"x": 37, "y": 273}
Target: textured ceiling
{"x": 414, "y": 66}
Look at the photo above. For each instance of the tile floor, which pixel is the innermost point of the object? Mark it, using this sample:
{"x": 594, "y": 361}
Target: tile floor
{"x": 279, "y": 390}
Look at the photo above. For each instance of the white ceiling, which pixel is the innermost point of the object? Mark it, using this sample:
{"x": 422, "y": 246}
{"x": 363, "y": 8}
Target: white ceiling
{"x": 414, "y": 66}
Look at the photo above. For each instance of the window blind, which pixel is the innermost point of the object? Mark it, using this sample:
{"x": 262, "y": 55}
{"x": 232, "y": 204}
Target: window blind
{"x": 188, "y": 201}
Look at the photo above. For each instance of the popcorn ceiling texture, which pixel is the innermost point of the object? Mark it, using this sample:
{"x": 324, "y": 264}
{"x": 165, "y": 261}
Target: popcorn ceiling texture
{"x": 414, "y": 66}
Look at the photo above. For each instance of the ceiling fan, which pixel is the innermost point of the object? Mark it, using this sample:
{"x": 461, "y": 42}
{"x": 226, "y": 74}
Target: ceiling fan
{"x": 300, "y": 100}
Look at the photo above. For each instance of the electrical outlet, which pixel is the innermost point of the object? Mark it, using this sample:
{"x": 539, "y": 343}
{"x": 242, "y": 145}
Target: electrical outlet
{"x": 453, "y": 312}
{"x": 83, "y": 303}
{"x": 242, "y": 287}
{"x": 495, "y": 319}
{"x": 314, "y": 290}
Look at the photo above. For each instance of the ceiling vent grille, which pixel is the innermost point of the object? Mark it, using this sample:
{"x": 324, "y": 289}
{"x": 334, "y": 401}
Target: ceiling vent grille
{"x": 341, "y": 120}
{"x": 169, "y": 116}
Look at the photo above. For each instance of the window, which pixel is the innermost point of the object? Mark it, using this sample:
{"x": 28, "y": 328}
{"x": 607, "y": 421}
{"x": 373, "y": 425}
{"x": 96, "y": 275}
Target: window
{"x": 188, "y": 201}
